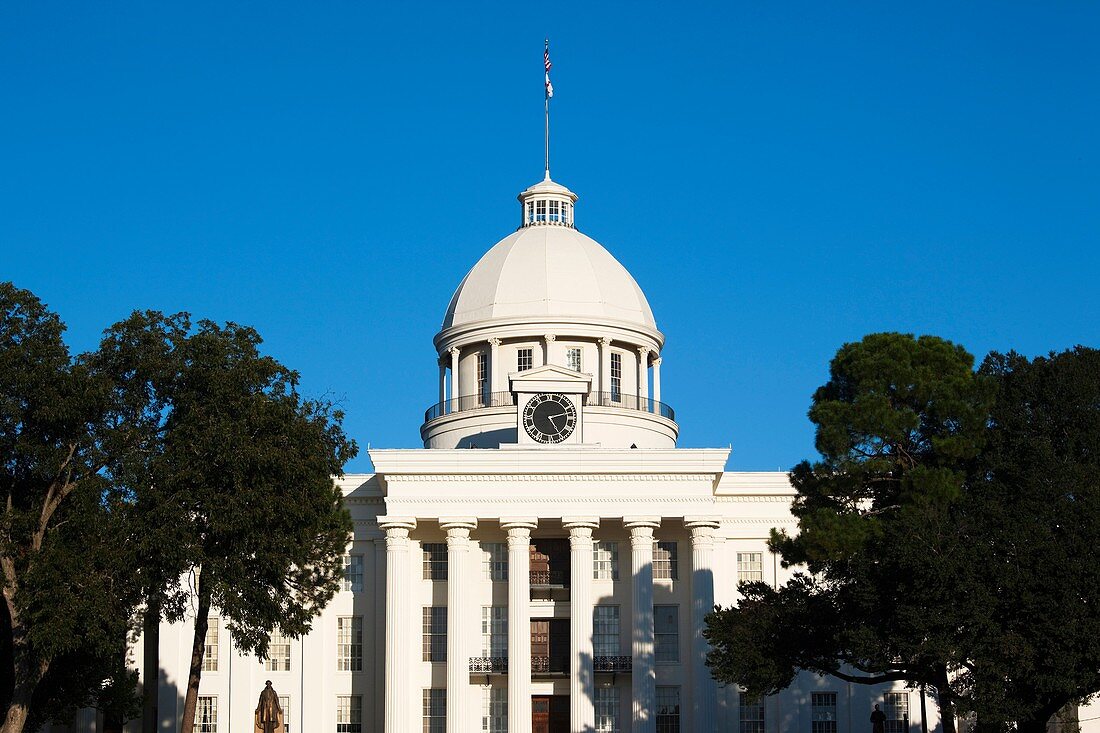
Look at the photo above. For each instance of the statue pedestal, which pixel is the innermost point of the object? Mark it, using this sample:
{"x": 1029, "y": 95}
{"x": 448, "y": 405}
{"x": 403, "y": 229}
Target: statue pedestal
{"x": 259, "y": 729}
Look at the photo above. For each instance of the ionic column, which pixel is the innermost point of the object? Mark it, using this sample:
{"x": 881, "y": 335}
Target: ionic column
{"x": 458, "y": 661}
{"x": 494, "y": 365}
{"x": 582, "y": 688}
{"x": 455, "y": 351}
{"x": 643, "y": 376}
{"x": 657, "y": 379}
{"x": 548, "y": 339}
{"x": 704, "y": 691}
{"x": 519, "y": 622}
{"x": 643, "y": 678}
{"x": 605, "y": 366}
{"x": 398, "y": 623}
{"x": 442, "y": 381}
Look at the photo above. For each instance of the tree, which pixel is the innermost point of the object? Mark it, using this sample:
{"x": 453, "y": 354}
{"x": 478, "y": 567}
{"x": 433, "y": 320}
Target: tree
{"x": 237, "y": 480}
{"x": 66, "y": 585}
{"x": 898, "y": 424}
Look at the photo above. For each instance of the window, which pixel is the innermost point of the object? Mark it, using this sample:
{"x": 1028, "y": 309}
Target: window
{"x": 349, "y": 714}
{"x": 616, "y": 377}
{"x": 278, "y": 652}
{"x": 607, "y": 710}
{"x": 284, "y": 703}
{"x": 665, "y": 564}
{"x": 573, "y": 359}
{"x": 567, "y": 212}
{"x": 494, "y": 717}
{"x": 555, "y": 211}
{"x": 210, "y": 651}
{"x": 494, "y": 631}
{"x": 897, "y": 711}
{"x": 435, "y": 633}
{"x": 524, "y": 359}
{"x": 605, "y": 631}
{"x": 530, "y": 211}
{"x": 540, "y": 210}
{"x": 349, "y": 644}
{"x": 353, "y": 573}
{"x": 495, "y": 560}
{"x": 605, "y": 561}
{"x": 750, "y": 566}
{"x": 668, "y": 709}
{"x": 482, "y": 377}
{"x": 823, "y": 712}
{"x": 206, "y": 715}
{"x": 435, "y": 561}
{"x": 752, "y": 714}
{"x": 435, "y": 710}
{"x": 666, "y": 633}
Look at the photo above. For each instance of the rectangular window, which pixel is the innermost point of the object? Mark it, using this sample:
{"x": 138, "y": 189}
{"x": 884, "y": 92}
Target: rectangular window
{"x": 897, "y": 711}
{"x": 349, "y": 714}
{"x": 665, "y": 562}
{"x": 353, "y": 573}
{"x": 666, "y": 633}
{"x": 435, "y": 710}
{"x": 555, "y": 211}
{"x": 494, "y": 716}
{"x": 573, "y": 359}
{"x": 284, "y": 703}
{"x": 435, "y": 560}
{"x": 605, "y": 631}
{"x": 494, "y": 631}
{"x": 567, "y": 213}
{"x": 435, "y": 633}
{"x": 616, "y": 377}
{"x": 349, "y": 644}
{"x": 605, "y": 560}
{"x": 607, "y": 710}
{"x": 206, "y": 715}
{"x": 540, "y": 210}
{"x": 482, "y": 377}
{"x": 752, "y": 714}
{"x": 278, "y": 652}
{"x": 530, "y": 211}
{"x": 210, "y": 652}
{"x": 668, "y": 709}
{"x": 823, "y": 712}
{"x": 524, "y": 359}
{"x": 750, "y": 566}
{"x": 495, "y": 561}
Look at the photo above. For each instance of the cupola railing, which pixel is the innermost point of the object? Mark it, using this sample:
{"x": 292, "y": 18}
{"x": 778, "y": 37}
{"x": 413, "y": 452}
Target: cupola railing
{"x": 618, "y": 400}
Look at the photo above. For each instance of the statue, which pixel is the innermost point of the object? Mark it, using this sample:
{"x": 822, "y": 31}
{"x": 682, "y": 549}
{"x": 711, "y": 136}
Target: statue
{"x": 878, "y": 721}
{"x": 269, "y": 714}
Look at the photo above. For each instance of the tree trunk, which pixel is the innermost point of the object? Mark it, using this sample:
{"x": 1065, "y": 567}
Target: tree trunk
{"x": 945, "y": 700}
{"x": 27, "y": 674}
{"x": 198, "y": 646}
{"x": 150, "y": 675}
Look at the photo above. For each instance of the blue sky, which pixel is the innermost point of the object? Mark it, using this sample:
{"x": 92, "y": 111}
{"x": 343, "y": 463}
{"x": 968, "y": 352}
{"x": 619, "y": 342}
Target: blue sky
{"x": 780, "y": 178}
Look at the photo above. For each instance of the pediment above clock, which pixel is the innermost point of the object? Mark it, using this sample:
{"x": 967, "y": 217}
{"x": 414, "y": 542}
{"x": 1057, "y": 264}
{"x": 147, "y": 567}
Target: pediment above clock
{"x": 550, "y": 378}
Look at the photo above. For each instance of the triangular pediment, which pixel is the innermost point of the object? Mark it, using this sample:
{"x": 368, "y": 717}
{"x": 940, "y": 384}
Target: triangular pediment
{"x": 550, "y": 378}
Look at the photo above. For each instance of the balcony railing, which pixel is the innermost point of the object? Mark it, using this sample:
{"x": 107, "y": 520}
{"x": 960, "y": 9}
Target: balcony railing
{"x": 489, "y": 665}
{"x": 619, "y": 400}
{"x": 611, "y": 664}
{"x": 548, "y": 577}
{"x": 549, "y": 665}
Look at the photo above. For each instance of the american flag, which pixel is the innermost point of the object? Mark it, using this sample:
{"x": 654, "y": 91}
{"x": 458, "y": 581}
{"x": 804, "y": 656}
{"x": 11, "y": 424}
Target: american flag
{"x": 547, "y": 64}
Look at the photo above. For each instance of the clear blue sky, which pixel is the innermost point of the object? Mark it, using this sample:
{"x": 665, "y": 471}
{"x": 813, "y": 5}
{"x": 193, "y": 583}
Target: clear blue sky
{"x": 780, "y": 178}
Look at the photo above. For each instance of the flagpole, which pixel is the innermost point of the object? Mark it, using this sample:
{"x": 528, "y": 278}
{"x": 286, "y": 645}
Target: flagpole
{"x": 547, "y": 95}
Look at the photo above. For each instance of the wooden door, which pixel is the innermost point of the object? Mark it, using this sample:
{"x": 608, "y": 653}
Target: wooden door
{"x": 540, "y": 645}
{"x": 540, "y": 715}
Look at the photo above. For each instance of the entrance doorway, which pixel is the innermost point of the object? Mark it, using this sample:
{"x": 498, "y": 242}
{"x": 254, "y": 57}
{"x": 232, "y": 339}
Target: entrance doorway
{"x": 550, "y": 714}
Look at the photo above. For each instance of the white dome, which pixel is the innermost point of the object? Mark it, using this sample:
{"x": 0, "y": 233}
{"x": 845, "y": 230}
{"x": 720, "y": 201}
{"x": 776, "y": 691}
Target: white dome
{"x": 549, "y": 273}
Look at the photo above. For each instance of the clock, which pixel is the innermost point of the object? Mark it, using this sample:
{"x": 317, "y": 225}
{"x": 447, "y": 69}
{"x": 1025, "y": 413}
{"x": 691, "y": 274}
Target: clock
{"x": 549, "y": 418}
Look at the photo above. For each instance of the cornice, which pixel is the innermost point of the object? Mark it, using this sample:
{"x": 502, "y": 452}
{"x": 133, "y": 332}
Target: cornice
{"x": 518, "y": 478}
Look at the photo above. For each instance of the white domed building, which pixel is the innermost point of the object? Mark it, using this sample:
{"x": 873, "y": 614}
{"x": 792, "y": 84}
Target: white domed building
{"x": 544, "y": 563}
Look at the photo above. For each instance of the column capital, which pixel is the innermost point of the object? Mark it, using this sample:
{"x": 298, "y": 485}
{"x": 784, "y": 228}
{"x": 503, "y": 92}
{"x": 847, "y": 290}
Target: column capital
{"x": 605, "y": 342}
{"x": 693, "y": 522}
{"x": 550, "y": 337}
{"x": 576, "y": 522}
{"x": 518, "y": 528}
{"x": 494, "y": 342}
{"x": 454, "y": 351}
{"x": 389, "y": 523}
{"x": 449, "y": 523}
{"x": 656, "y": 361}
{"x": 643, "y": 351}
{"x": 638, "y": 522}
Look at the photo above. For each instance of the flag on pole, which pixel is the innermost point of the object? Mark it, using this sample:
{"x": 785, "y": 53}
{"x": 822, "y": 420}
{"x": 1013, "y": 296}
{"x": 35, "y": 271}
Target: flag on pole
{"x": 547, "y": 64}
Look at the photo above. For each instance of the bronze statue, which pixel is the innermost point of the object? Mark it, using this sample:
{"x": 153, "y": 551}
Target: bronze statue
{"x": 269, "y": 714}
{"x": 878, "y": 720}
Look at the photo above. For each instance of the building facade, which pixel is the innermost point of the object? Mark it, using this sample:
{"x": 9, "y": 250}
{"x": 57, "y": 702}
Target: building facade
{"x": 545, "y": 562}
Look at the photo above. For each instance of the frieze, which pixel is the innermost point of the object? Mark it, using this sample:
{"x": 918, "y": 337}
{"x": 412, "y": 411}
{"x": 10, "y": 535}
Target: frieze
{"x": 547, "y": 477}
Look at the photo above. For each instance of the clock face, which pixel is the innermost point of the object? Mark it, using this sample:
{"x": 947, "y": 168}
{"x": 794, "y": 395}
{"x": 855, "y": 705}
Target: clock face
{"x": 549, "y": 418}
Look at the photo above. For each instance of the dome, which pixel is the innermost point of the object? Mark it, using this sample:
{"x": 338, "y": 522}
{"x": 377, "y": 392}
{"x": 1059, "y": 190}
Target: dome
{"x": 549, "y": 272}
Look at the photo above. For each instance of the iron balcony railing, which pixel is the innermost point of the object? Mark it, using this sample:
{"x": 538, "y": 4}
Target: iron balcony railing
{"x": 489, "y": 665}
{"x": 547, "y": 577}
{"x": 620, "y": 400}
{"x": 556, "y": 664}
{"x": 611, "y": 664}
